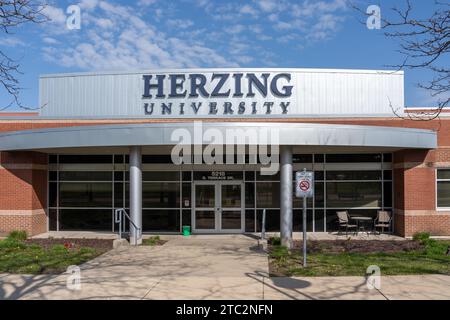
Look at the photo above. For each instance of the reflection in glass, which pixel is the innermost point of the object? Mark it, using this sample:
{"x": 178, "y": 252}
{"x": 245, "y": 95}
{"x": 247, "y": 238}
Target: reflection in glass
{"x": 353, "y": 194}
{"x": 231, "y": 196}
{"x": 160, "y": 220}
{"x": 231, "y": 219}
{"x": 85, "y": 194}
{"x": 268, "y": 194}
{"x": 443, "y": 194}
{"x": 205, "y": 196}
{"x": 205, "y": 220}
{"x": 85, "y": 219}
{"x": 160, "y": 195}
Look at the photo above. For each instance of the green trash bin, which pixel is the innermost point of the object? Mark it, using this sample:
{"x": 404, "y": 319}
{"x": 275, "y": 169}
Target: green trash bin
{"x": 186, "y": 231}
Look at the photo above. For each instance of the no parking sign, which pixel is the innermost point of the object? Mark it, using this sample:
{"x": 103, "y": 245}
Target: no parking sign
{"x": 304, "y": 184}
{"x": 304, "y": 188}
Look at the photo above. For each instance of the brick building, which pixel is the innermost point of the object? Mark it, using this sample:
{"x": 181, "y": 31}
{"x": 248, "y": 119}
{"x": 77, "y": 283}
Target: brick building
{"x": 103, "y": 142}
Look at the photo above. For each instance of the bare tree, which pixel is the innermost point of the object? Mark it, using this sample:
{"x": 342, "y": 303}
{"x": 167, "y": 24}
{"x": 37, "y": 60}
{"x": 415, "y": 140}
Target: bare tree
{"x": 12, "y": 14}
{"x": 424, "y": 43}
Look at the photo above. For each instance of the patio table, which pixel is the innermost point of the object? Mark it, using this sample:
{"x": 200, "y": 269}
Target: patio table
{"x": 362, "y": 222}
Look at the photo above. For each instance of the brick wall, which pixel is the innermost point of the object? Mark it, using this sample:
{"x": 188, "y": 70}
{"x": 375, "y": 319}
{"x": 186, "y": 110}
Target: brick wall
{"x": 414, "y": 173}
{"x": 23, "y": 192}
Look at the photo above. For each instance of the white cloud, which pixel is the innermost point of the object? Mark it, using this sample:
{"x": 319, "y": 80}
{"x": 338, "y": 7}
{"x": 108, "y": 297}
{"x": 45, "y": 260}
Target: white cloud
{"x": 56, "y": 15}
{"x": 49, "y": 40}
{"x": 267, "y": 5}
{"x": 234, "y": 29}
{"x": 248, "y": 9}
{"x": 134, "y": 43}
{"x": 88, "y": 4}
{"x": 146, "y": 2}
{"x": 10, "y": 41}
{"x": 180, "y": 23}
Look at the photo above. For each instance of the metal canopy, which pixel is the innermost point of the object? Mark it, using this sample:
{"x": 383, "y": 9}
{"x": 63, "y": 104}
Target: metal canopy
{"x": 305, "y": 134}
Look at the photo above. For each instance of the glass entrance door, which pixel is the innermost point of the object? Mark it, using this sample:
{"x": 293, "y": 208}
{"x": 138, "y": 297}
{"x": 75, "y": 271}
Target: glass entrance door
{"x": 218, "y": 207}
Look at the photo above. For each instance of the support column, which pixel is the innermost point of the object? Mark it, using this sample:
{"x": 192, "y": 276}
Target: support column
{"x": 136, "y": 193}
{"x": 286, "y": 189}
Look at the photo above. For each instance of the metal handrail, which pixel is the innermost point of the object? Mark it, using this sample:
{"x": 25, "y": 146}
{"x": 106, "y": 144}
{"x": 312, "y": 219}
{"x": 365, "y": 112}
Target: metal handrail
{"x": 263, "y": 226}
{"x": 118, "y": 217}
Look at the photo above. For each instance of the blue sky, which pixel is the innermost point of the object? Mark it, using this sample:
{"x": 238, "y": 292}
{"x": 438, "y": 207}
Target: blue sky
{"x": 144, "y": 34}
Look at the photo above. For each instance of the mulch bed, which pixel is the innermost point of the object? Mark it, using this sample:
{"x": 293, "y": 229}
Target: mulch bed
{"x": 360, "y": 246}
{"x": 100, "y": 245}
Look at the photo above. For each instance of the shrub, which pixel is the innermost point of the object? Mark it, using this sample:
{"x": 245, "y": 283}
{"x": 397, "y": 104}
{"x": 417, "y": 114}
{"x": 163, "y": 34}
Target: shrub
{"x": 275, "y": 241}
{"x": 151, "y": 241}
{"x": 421, "y": 237}
{"x": 18, "y": 235}
{"x": 11, "y": 243}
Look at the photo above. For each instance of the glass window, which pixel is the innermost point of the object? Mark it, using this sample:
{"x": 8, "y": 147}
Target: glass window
{"x": 264, "y": 177}
{"x": 353, "y": 194}
{"x": 85, "y": 158}
{"x": 160, "y": 195}
{"x": 361, "y": 157}
{"x": 298, "y": 220}
{"x": 443, "y": 188}
{"x": 387, "y": 157}
{"x": 118, "y": 158}
{"x": 443, "y": 194}
{"x": 249, "y": 220}
{"x": 268, "y": 195}
{"x": 119, "y": 195}
{"x": 388, "y": 194}
{"x": 387, "y": 174}
{"x": 186, "y": 190}
{"x": 85, "y": 175}
{"x": 85, "y": 219}
{"x": 443, "y": 174}
{"x": 52, "y": 158}
{"x": 118, "y": 176}
{"x": 187, "y": 176}
{"x": 160, "y": 220}
{"x": 302, "y": 158}
{"x": 318, "y": 175}
{"x": 319, "y": 221}
{"x": 319, "y": 194}
{"x": 249, "y": 194}
{"x": 52, "y": 194}
{"x": 354, "y": 175}
{"x": 160, "y": 176}
{"x": 85, "y": 194}
{"x": 186, "y": 218}
{"x": 52, "y": 219}
{"x": 272, "y": 220}
{"x": 319, "y": 158}
{"x": 52, "y": 175}
{"x": 250, "y": 175}
{"x": 157, "y": 158}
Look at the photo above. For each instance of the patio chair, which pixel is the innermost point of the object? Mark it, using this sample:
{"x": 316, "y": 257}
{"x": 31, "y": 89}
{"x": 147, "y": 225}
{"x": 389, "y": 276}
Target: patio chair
{"x": 382, "y": 221}
{"x": 344, "y": 221}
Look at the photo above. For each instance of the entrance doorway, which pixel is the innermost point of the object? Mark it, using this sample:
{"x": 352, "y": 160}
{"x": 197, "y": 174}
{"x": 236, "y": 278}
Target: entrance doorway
{"x": 218, "y": 207}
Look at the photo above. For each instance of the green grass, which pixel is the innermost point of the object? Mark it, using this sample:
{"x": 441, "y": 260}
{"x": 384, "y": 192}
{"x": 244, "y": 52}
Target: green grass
{"x": 152, "y": 241}
{"x": 431, "y": 260}
{"x": 19, "y": 257}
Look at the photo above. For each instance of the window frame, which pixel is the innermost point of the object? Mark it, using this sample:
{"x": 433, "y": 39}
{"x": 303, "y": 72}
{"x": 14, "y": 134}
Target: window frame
{"x": 437, "y": 180}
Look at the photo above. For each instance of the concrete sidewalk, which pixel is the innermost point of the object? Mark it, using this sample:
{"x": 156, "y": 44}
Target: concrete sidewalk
{"x": 218, "y": 267}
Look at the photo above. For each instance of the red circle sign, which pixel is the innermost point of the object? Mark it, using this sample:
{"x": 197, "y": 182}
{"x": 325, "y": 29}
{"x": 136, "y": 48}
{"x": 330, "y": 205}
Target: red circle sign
{"x": 304, "y": 185}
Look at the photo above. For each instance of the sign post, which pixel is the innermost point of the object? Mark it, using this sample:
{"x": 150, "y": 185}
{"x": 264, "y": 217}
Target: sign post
{"x": 304, "y": 188}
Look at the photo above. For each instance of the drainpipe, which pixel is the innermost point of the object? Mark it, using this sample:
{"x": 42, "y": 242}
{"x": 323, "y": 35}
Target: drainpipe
{"x": 136, "y": 194}
{"x": 286, "y": 190}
